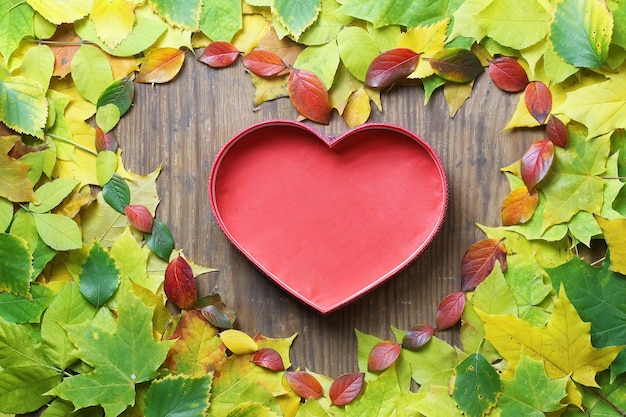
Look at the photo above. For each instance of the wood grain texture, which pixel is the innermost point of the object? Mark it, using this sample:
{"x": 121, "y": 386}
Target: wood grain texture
{"x": 183, "y": 124}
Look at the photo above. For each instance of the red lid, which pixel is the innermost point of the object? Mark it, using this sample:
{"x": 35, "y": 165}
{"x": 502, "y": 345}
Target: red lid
{"x": 328, "y": 219}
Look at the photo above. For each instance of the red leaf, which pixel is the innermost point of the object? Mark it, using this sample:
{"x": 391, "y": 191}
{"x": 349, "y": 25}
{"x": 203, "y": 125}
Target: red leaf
{"x": 519, "y": 206}
{"x": 105, "y": 141}
{"x": 536, "y": 162}
{"x": 417, "y": 337}
{"x": 309, "y": 96}
{"x": 304, "y": 384}
{"x": 479, "y": 260}
{"x": 346, "y": 388}
{"x": 508, "y": 75}
{"x": 538, "y": 99}
{"x": 180, "y": 284}
{"x": 263, "y": 63}
{"x": 268, "y": 358}
{"x": 391, "y": 66}
{"x": 20, "y": 149}
{"x": 456, "y": 65}
{"x": 450, "y": 310}
{"x": 556, "y": 130}
{"x": 140, "y": 217}
{"x": 219, "y": 54}
{"x": 383, "y": 355}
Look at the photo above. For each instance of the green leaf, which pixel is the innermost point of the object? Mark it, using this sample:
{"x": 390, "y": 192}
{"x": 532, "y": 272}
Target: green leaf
{"x": 120, "y": 92}
{"x": 6, "y": 214}
{"x": 178, "y": 395}
{"x": 184, "y": 14}
{"x": 251, "y": 409}
{"x": 477, "y": 386}
{"x": 122, "y": 354}
{"x": 311, "y": 408}
{"x": 132, "y": 261}
{"x": 322, "y": 60}
{"x": 61, "y": 11}
{"x": 580, "y": 32}
{"x": 51, "y": 194}
{"x": 327, "y": 25}
{"x": 160, "y": 241}
{"x": 380, "y": 397}
{"x": 23, "y": 105}
{"x": 401, "y": 12}
{"x": 24, "y": 226}
{"x": 68, "y": 308}
{"x": 16, "y": 17}
{"x": 99, "y": 277}
{"x": 619, "y": 25}
{"x": 23, "y": 388}
{"x": 91, "y": 72}
{"x": 296, "y": 15}
{"x": 15, "y": 264}
{"x": 19, "y": 309}
{"x": 38, "y": 64}
{"x": 107, "y": 117}
{"x": 220, "y": 20}
{"x": 357, "y": 50}
{"x": 41, "y": 256}
{"x": 531, "y": 393}
{"x": 116, "y": 193}
{"x": 106, "y": 165}
{"x": 59, "y": 232}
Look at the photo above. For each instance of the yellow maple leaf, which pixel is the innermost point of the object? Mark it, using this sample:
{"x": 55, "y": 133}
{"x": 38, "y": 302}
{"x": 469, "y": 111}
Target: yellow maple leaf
{"x": 254, "y": 27}
{"x": 427, "y": 41}
{"x": 103, "y": 12}
{"x": 564, "y": 343}
{"x": 615, "y": 235}
{"x": 456, "y": 94}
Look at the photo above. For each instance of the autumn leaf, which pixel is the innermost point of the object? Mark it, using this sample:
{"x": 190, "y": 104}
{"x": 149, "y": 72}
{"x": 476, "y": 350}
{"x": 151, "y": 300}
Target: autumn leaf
{"x": 557, "y": 131}
{"x": 180, "y": 284}
{"x": 14, "y": 174}
{"x": 184, "y": 14}
{"x": 238, "y": 342}
{"x": 296, "y": 16}
{"x": 119, "y": 11}
{"x": 390, "y": 67}
{"x": 380, "y": 398}
{"x": 456, "y": 65}
{"x": 140, "y": 217}
{"x": 479, "y": 260}
{"x": 304, "y": 384}
{"x": 519, "y": 206}
{"x": 60, "y": 11}
{"x": 615, "y": 234}
{"x": 309, "y": 96}
{"x": 383, "y": 355}
{"x": 16, "y": 262}
{"x": 219, "y": 54}
{"x": 263, "y": 63}
{"x": 417, "y": 336}
{"x": 538, "y": 99}
{"x": 536, "y": 163}
{"x": 508, "y": 75}
{"x": 23, "y": 105}
{"x": 357, "y": 50}
{"x": 268, "y": 358}
{"x": 427, "y": 41}
{"x": 358, "y": 108}
{"x": 161, "y": 65}
{"x": 450, "y": 310}
{"x": 346, "y": 388}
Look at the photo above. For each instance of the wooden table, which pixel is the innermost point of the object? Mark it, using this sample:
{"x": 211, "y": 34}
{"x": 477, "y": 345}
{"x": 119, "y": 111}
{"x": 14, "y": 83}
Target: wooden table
{"x": 183, "y": 124}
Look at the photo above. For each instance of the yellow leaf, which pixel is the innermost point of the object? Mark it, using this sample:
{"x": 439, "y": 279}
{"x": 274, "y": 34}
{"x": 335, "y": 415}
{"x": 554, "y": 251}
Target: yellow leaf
{"x": 615, "y": 235}
{"x": 176, "y": 38}
{"x": 266, "y": 89}
{"x": 564, "y": 343}
{"x": 104, "y": 12}
{"x": 161, "y": 65}
{"x": 521, "y": 116}
{"x": 238, "y": 342}
{"x": 61, "y": 11}
{"x": 344, "y": 85}
{"x": 358, "y": 109}
{"x": 456, "y": 94}
{"x": 427, "y": 41}
{"x": 254, "y": 27}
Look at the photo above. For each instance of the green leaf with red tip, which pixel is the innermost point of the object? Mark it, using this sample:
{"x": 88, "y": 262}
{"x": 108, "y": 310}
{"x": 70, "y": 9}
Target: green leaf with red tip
{"x": 456, "y": 65}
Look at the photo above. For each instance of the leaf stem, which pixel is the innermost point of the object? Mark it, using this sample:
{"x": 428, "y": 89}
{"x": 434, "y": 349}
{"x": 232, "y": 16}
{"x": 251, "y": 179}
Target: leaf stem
{"x": 71, "y": 142}
{"x": 60, "y": 43}
{"x": 598, "y": 261}
{"x": 606, "y": 400}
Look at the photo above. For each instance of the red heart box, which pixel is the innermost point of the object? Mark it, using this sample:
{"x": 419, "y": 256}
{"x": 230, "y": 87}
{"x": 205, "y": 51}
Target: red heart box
{"x": 328, "y": 219}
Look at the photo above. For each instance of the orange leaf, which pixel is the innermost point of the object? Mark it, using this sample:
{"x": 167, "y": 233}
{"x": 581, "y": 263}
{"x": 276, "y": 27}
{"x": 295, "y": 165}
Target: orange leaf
{"x": 536, "y": 162}
{"x": 309, "y": 96}
{"x": 391, "y": 66}
{"x": 383, "y": 355}
{"x": 161, "y": 65}
{"x": 518, "y": 207}
{"x": 538, "y": 99}
{"x": 263, "y": 63}
{"x": 219, "y": 54}
{"x": 479, "y": 260}
{"x": 346, "y": 388}
{"x": 450, "y": 310}
{"x": 64, "y": 46}
{"x": 304, "y": 384}
{"x": 508, "y": 75}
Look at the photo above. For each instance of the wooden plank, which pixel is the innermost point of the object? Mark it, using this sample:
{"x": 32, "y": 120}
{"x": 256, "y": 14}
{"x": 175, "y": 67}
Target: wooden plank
{"x": 183, "y": 124}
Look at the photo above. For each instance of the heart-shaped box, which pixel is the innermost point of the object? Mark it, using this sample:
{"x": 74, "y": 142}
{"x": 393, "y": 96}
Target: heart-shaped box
{"x": 328, "y": 219}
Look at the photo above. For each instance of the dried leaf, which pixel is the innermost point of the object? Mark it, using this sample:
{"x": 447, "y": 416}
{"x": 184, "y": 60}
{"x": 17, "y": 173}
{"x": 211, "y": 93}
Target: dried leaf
{"x": 268, "y": 358}
{"x": 508, "y": 75}
{"x": 536, "y": 162}
{"x": 161, "y": 65}
{"x": 140, "y": 217}
{"x": 557, "y": 131}
{"x": 304, "y": 384}
{"x": 417, "y": 337}
{"x": 456, "y": 65}
{"x": 180, "y": 284}
{"x": 238, "y": 342}
{"x": 538, "y": 100}
{"x": 519, "y": 206}
{"x": 346, "y": 388}
{"x": 479, "y": 260}
{"x": 391, "y": 66}
{"x": 309, "y": 96}
{"x": 383, "y": 355}
{"x": 219, "y": 54}
{"x": 263, "y": 63}
{"x": 450, "y": 310}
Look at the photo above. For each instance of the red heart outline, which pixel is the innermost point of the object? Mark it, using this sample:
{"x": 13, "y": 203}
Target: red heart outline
{"x": 328, "y": 219}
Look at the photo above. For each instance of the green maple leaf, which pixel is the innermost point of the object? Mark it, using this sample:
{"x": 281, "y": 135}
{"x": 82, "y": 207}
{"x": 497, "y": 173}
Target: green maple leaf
{"x": 122, "y": 352}
{"x": 605, "y": 401}
{"x": 531, "y": 393}
{"x": 477, "y": 386}
{"x": 574, "y": 183}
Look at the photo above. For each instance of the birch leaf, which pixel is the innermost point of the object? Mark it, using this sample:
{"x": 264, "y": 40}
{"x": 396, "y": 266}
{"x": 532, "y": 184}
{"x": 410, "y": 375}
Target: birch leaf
{"x": 23, "y": 105}
{"x": 184, "y": 14}
{"x": 104, "y": 12}
{"x": 17, "y": 22}
{"x": 61, "y": 11}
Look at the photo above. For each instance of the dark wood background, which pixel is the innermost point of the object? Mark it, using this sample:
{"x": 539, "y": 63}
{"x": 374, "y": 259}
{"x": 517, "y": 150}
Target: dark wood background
{"x": 183, "y": 124}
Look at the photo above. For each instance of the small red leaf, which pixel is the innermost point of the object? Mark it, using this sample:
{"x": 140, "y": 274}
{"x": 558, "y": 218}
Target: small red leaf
{"x": 450, "y": 310}
{"x": 536, "y": 162}
{"x": 105, "y": 141}
{"x": 479, "y": 260}
{"x": 180, "y": 284}
{"x": 556, "y": 130}
{"x": 219, "y": 54}
{"x": 538, "y": 99}
{"x": 346, "y": 388}
{"x": 391, "y": 66}
{"x": 383, "y": 355}
{"x": 309, "y": 96}
{"x": 417, "y": 337}
{"x": 519, "y": 206}
{"x": 140, "y": 217}
{"x": 304, "y": 384}
{"x": 508, "y": 75}
{"x": 263, "y": 63}
{"x": 268, "y": 358}
{"x": 456, "y": 65}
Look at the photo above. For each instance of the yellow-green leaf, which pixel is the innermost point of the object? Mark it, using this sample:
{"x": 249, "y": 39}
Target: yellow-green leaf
{"x": 106, "y": 165}
{"x": 321, "y": 60}
{"x": 61, "y": 11}
{"x": 107, "y": 117}
{"x": 357, "y": 50}
{"x": 91, "y": 72}
{"x": 38, "y": 64}
{"x": 220, "y": 19}
{"x": 104, "y": 13}
{"x": 16, "y": 19}
{"x": 238, "y": 342}
{"x": 16, "y": 265}
{"x": 57, "y": 231}
{"x": 23, "y": 105}
{"x": 615, "y": 235}
{"x": 14, "y": 183}
{"x": 184, "y": 14}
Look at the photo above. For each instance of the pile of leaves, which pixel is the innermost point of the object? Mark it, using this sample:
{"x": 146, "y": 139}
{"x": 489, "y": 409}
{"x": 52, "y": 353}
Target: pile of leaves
{"x": 87, "y": 268}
